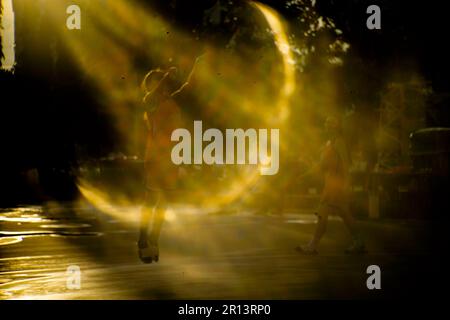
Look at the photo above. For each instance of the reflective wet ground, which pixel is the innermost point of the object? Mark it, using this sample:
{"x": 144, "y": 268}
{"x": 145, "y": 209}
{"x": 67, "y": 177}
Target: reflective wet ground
{"x": 209, "y": 255}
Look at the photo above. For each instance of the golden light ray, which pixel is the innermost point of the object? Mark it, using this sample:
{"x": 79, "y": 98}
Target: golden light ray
{"x": 282, "y": 42}
{"x": 102, "y": 202}
{"x": 106, "y": 49}
{"x": 7, "y": 32}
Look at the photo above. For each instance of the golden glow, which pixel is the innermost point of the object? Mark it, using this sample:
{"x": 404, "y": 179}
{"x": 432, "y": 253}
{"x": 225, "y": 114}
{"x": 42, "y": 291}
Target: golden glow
{"x": 8, "y": 36}
{"x": 119, "y": 209}
{"x": 276, "y": 25}
{"x": 105, "y": 50}
{"x": 10, "y": 240}
{"x": 120, "y": 41}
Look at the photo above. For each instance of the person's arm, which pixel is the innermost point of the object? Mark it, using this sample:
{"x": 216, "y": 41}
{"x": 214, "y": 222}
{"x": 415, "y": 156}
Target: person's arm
{"x": 147, "y": 121}
{"x": 327, "y": 158}
{"x": 160, "y": 83}
{"x": 188, "y": 80}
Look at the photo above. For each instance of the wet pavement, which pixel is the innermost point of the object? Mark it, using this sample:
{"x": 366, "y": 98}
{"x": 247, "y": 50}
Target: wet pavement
{"x": 209, "y": 255}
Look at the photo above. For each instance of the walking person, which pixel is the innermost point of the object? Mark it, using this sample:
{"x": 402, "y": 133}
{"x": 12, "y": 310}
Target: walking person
{"x": 334, "y": 164}
{"x": 162, "y": 177}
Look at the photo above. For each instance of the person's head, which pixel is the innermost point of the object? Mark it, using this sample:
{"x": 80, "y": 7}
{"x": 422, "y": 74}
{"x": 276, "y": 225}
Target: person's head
{"x": 332, "y": 126}
{"x": 159, "y": 83}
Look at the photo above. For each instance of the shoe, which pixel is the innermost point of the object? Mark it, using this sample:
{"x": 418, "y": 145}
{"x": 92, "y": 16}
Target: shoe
{"x": 357, "y": 247}
{"x": 306, "y": 250}
{"x": 148, "y": 252}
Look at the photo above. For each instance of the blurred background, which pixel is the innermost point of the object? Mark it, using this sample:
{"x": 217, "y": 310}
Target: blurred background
{"x": 72, "y": 107}
{"x": 72, "y": 133}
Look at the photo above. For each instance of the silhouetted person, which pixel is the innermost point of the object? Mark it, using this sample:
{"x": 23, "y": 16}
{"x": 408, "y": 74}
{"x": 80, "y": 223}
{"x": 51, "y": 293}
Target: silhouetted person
{"x": 162, "y": 177}
{"x": 334, "y": 165}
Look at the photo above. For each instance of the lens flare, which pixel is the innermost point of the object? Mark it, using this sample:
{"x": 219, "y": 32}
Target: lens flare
{"x": 117, "y": 48}
{"x": 281, "y": 39}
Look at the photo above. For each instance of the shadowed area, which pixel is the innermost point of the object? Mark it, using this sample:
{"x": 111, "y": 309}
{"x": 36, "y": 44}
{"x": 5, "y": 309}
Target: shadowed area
{"x": 207, "y": 256}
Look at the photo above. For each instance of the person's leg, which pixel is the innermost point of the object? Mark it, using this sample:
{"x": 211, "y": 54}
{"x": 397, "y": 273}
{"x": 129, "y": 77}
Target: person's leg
{"x": 358, "y": 244}
{"x": 158, "y": 219}
{"x": 349, "y": 221}
{"x": 150, "y": 202}
{"x": 321, "y": 227}
{"x": 148, "y": 244}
